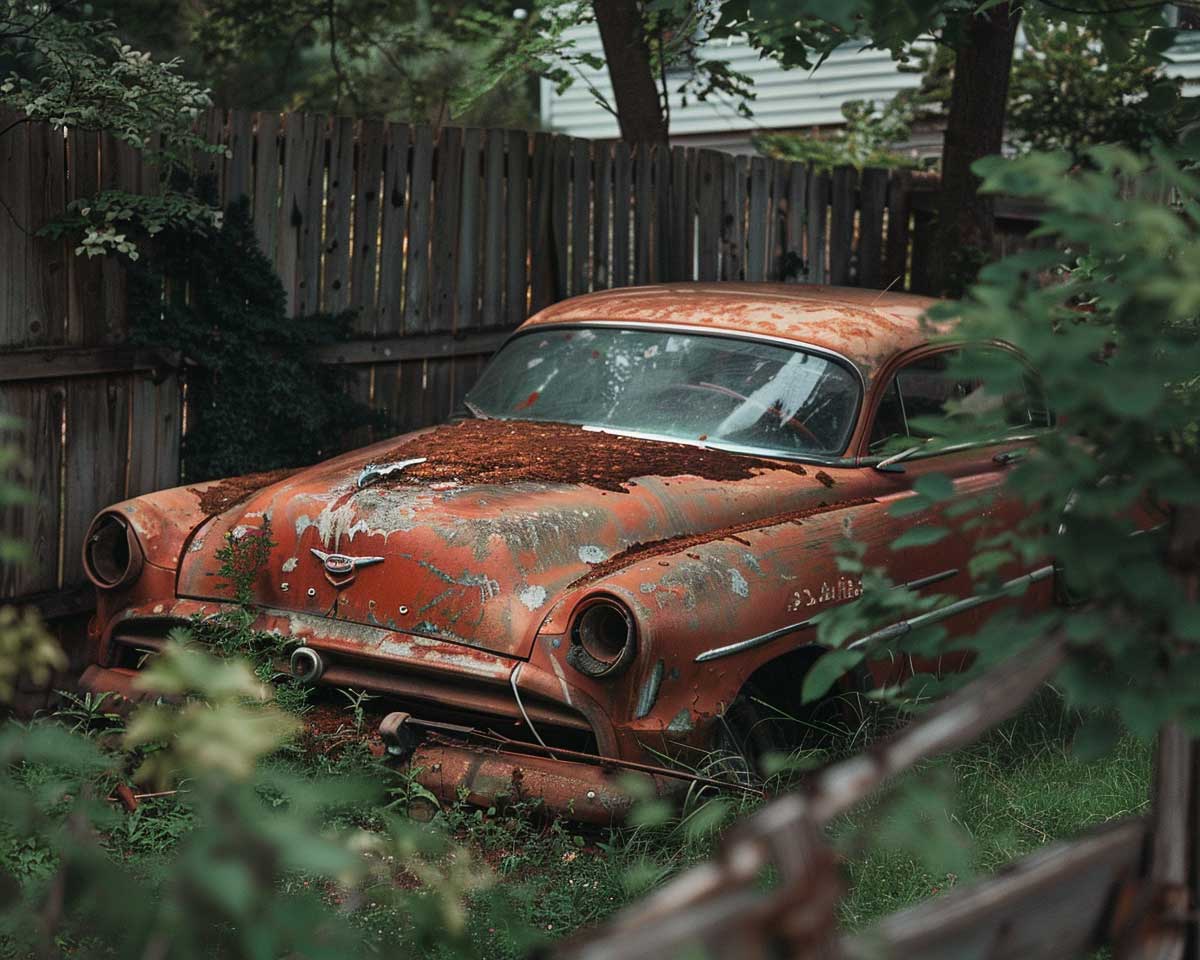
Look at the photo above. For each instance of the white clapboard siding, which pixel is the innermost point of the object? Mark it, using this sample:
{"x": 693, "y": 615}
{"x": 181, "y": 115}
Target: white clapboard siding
{"x": 785, "y": 99}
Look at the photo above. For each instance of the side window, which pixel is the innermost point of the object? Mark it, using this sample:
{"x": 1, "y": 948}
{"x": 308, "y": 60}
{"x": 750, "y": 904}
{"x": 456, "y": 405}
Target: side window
{"x": 985, "y": 391}
{"x": 889, "y": 419}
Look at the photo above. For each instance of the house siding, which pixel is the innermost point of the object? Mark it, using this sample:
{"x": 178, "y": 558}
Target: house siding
{"x": 785, "y": 99}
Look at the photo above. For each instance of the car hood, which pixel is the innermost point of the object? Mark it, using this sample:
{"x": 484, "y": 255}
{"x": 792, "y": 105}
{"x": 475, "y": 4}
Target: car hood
{"x": 475, "y": 543}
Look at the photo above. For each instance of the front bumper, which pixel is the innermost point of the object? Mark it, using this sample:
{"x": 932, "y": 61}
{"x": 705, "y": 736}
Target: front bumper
{"x": 486, "y": 772}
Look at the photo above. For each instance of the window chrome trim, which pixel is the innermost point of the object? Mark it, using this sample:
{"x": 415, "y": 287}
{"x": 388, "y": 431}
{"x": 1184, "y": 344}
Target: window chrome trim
{"x": 923, "y": 454}
{"x": 818, "y": 459}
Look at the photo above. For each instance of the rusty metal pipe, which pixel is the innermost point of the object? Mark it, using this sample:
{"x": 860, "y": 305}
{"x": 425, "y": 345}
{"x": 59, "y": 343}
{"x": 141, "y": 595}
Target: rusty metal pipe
{"x": 579, "y": 791}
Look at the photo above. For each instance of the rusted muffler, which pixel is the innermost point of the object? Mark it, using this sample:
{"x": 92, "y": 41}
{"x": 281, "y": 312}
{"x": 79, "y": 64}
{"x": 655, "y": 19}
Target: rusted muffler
{"x": 577, "y": 791}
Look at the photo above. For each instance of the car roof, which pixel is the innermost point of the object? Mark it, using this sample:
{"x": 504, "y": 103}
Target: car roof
{"x": 865, "y": 326}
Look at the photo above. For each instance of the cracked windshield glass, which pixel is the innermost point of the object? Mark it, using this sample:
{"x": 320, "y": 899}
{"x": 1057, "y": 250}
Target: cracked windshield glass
{"x": 717, "y": 390}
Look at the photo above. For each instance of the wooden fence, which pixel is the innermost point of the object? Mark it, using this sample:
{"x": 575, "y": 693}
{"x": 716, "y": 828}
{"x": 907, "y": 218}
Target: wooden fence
{"x": 441, "y": 240}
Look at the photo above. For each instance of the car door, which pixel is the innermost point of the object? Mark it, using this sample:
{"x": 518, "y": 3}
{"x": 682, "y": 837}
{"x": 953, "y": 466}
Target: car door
{"x": 949, "y": 420}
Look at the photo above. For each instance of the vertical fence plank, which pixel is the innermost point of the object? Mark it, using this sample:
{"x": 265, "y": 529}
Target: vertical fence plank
{"x": 734, "y": 173}
{"x": 759, "y": 201}
{"x": 622, "y": 200}
{"x": 37, "y": 408}
{"x": 818, "y": 204}
{"x": 664, "y": 241}
{"x": 97, "y": 448}
{"x": 709, "y": 223}
{"x": 339, "y": 197}
{"x": 14, "y": 217}
{"x": 559, "y": 210}
{"x": 120, "y": 169}
{"x": 492, "y": 305}
{"x": 581, "y": 225}
{"x": 872, "y": 196}
{"x": 922, "y": 252}
{"x": 797, "y": 194}
{"x": 397, "y": 215}
{"x": 466, "y": 300}
{"x": 601, "y": 219}
{"x": 85, "y": 316}
{"x": 287, "y": 241}
{"x": 155, "y": 416}
{"x": 308, "y": 281}
{"x": 777, "y": 221}
{"x": 680, "y": 219}
{"x": 239, "y": 165}
{"x": 541, "y": 254}
{"x": 46, "y": 289}
{"x": 447, "y": 190}
{"x": 516, "y": 298}
{"x": 364, "y": 256}
{"x": 841, "y": 225}
{"x": 210, "y": 165}
{"x": 899, "y": 210}
{"x": 266, "y": 182}
{"x": 643, "y": 213}
{"x": 420, "y": 198}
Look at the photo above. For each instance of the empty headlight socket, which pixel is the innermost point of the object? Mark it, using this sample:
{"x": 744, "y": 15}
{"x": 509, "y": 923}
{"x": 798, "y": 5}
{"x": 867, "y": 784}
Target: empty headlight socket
{"x": 603, "y": 638}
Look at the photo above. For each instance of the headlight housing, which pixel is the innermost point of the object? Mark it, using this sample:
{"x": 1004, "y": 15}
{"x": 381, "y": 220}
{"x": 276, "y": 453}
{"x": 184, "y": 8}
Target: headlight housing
{"x": 603, "y": 638}
{"x": 112, "y": 556}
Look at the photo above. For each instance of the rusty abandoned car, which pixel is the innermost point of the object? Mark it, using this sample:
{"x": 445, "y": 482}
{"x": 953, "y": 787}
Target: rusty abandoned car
{"x": 614, "y": 556}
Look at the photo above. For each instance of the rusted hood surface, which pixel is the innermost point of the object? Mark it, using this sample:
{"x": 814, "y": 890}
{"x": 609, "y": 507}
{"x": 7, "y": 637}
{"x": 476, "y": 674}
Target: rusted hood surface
{"x": 477, "y": 549}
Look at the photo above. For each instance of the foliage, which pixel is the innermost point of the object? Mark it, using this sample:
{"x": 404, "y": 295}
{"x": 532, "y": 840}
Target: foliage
{"x": 259, "y": 398}
{"x": 62, "y": 66}
{"x": 1065, "y": 94}
{"x": 866, "y": 140}
{"x": 1108, "y": 318}
{"x": 801, "y": 33}
{"x": 113, "y": 220}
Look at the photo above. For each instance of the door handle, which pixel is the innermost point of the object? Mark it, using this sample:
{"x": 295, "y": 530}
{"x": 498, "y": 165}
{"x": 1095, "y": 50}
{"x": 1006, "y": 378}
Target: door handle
{"x": 1008, "y": 456}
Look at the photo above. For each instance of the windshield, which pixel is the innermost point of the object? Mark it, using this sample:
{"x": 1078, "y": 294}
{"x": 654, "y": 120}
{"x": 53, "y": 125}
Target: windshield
{"x": 685, "y": 386}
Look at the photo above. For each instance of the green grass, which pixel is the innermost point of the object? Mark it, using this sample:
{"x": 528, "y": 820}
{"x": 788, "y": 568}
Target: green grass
{"x": 1015, "y": 790}
{"x": 1002, "y": 798}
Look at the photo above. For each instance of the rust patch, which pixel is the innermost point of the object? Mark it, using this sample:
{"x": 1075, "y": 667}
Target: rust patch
{"x": 224, "y": 494}
{"x": 825, "y": 478}
{"x": 508, "y": 451}
{"x": 656, "y": 548}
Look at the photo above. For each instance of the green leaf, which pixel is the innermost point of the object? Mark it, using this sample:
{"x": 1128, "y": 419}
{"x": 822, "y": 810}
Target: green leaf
{"x": 935, "y": 486}
{"x": 921, "y": 536}
{"x": 826, "y": 671}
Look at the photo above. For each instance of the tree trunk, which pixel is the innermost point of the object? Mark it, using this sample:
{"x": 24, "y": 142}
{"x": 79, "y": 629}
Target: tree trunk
{"x": 974, "y": 129}
{"x": 639, "y": 110}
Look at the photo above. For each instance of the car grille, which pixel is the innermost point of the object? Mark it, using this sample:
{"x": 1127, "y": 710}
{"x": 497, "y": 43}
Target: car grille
{"x": 425, "y": 694}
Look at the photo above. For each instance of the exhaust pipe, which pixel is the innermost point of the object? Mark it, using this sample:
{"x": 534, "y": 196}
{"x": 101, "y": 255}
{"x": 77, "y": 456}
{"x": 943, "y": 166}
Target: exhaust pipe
{"x": 306, "y": 664}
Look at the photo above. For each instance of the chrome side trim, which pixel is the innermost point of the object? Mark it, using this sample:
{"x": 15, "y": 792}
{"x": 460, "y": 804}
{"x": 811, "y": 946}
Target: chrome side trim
{"x": 901, "y": 628}
{"x": 752, "y": 642}
{"x": 927, "y": 581}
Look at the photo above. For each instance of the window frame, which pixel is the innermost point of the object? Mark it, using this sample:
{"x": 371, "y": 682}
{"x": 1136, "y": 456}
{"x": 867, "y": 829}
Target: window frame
{"x": 887, "y": 377}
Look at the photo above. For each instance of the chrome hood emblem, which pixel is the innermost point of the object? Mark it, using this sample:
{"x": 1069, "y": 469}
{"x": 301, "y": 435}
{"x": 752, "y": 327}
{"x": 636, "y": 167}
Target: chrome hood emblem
{"x": 340, "y": 568}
